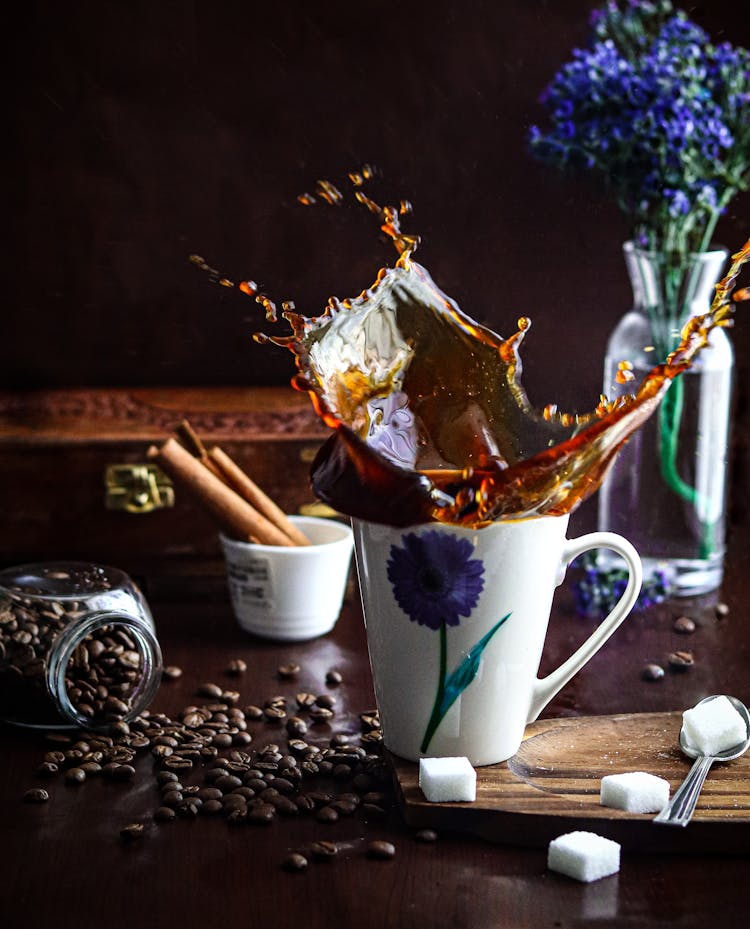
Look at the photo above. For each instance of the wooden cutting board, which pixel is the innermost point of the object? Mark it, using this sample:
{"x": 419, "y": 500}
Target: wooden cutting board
{"x": 551, "y": 786}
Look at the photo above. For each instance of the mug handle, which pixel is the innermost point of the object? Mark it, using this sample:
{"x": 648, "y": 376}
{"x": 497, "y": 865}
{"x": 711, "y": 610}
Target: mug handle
{"x": 545, "y": 688}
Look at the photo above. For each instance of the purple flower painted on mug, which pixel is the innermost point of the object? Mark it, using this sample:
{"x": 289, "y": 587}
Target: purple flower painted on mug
{"x": 434, "y": 578}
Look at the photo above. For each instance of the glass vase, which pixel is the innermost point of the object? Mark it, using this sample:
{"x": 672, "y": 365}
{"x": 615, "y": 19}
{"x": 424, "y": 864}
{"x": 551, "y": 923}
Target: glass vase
{"x": 666, "y": 492}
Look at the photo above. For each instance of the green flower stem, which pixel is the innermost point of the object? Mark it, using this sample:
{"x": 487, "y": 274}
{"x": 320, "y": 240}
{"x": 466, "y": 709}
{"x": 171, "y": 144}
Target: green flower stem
{"x": 437, "y": 709}
{"x": 670, "y": 414}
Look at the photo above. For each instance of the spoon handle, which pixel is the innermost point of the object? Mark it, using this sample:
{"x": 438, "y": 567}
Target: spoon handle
{"x": 680, "y": 808}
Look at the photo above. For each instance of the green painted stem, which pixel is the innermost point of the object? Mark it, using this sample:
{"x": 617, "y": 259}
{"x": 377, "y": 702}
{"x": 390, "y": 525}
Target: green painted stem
{"x": 437, "y": 715}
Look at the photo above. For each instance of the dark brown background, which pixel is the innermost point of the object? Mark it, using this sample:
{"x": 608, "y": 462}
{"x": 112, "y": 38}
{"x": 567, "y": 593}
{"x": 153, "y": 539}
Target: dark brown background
{"x": 142, "y": 132}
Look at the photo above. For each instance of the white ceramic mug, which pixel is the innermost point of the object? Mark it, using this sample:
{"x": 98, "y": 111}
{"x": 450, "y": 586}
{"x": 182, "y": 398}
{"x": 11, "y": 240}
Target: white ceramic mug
{"x": 290, "y": 594}
{"x": 456, "y": 621}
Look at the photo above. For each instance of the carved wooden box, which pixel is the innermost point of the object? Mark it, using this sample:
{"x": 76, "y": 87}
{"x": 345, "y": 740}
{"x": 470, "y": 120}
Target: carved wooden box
{"x": 75, "y": 483}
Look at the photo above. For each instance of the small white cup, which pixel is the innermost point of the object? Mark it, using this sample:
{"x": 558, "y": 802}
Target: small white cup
{"x": 290, "y": 594}
{"x": 456, "y": 621}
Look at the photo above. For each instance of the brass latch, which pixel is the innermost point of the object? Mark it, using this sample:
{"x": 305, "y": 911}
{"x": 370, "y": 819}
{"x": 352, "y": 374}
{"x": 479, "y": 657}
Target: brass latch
{"x": 137, "y": 488}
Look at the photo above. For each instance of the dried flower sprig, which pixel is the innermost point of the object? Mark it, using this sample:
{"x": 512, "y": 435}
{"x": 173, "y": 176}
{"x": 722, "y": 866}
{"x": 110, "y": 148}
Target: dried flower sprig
{"x": 660, "y": 114}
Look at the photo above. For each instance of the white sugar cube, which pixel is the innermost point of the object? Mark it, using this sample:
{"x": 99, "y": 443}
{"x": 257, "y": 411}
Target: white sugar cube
{"x": 714, "y": 726}
{"x": 447, "y": 779}
{"x": 636, "y": 792}
{"x": 584, "y": 856}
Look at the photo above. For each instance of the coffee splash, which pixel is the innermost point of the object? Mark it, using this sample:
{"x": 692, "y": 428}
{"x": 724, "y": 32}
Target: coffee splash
{"x": 430, "y": 420}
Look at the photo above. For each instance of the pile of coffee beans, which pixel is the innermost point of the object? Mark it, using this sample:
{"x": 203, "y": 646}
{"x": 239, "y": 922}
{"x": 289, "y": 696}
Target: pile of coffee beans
{"x": 103, "y": 673}
{"x": 207, "y": 763}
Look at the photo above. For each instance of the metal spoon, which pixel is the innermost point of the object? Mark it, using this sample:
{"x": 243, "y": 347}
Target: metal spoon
{"x": 680, "y": 808}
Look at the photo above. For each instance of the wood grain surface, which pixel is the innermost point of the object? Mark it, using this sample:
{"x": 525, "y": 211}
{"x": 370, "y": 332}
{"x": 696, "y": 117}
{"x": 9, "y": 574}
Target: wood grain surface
{"x": 551, "y": 785}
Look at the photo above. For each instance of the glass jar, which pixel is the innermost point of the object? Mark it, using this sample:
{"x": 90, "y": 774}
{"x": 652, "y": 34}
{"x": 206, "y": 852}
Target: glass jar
{"x": 666, "y": 492}
{"x": 77, "y": 646}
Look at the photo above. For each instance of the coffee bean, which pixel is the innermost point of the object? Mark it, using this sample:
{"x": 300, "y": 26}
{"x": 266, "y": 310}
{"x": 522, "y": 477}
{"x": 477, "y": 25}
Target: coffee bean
{"x": 684, "y": 625}
{"x": 132, "y": 832}
{"x": 209, "y": 690}
{"x": 338, "y": 739}
{"x": 344, "y": 807}
{"x": 212, "y": 807}
{"x": 304, "y": 803}
{"x": 75, "y": 776}
{"x": 296, "y": 726}
{"x": 253, "y": 712}
{"x": 285, "y": 806}
{"x": 227, "y": 782}
{"x": 305, "y": 700}
{"x": 327, "y": 814}
{"x": 262, "y": 815}
{"x": 222, "y": 740}
{"x": 320, "y": 715}
{"x": 326, "y": 701}
{"x": 164, "y": 777}
{"x": 189, "y": 808}
{"x": 370, "y": 720}
{"x": 381, "y": 850}
{"x": 116, "y": 707}
{"x": 172, "y": 798}
{"x": 333, "y": 678}
{"x": 289, "y": 670}
{"x": 178, "y": 763}
{"x": 373, "y": 739}
{"x": 373, "y": 811}
{"x": 294, "y": 862}
{"x": 426, "y": 835}
{"x": 164, "y": 814}
{"x": 92, "y": 768}
{"x": 236, "y": 667}
{"x": 233, "y": 802}
{"x": 652, "y": 672}
{"x": 680, "y": 661}
{"x": 36, "y": 795}
{"x": 324, "y": 850}
{"x": 721, "y": 610}
{"x": 209, "y": 793}
{"x": 47, "y": 769}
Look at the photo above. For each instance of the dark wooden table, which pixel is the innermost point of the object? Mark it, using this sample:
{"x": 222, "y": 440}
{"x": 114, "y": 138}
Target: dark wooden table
{"x": 64, "y": 864}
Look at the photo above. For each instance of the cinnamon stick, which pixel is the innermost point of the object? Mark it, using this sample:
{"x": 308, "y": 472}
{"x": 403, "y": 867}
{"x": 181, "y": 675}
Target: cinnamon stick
{"x": 237, "y": 518}
{"x": 190, "y": 439}
{"x": 237, "y": 479}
